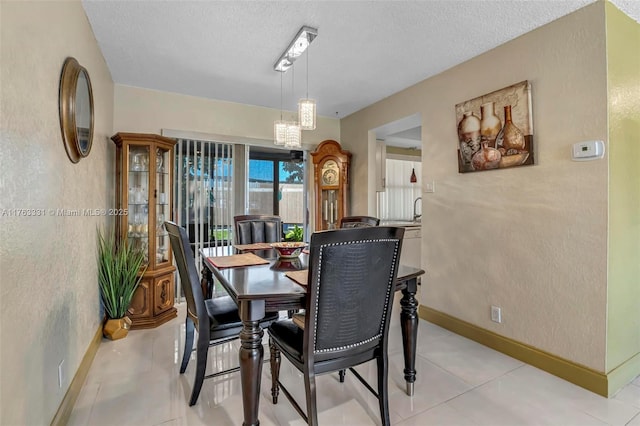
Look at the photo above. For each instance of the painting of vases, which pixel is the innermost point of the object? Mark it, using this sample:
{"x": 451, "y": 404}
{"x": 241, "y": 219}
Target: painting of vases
{"x": 495, "y": 131}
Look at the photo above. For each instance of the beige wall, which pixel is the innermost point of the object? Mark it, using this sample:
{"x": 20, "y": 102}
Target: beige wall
{"x": 150, "y": 111}
{"x": 49, "y": 303}
{"x": 532, "y": 240}
{"x": 623, "y": 328}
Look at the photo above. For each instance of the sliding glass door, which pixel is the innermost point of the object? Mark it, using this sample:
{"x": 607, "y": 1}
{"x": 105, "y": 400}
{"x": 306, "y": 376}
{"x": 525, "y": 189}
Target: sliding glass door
{"x": 207, "y": 197}
{"x": 276, "y": 185}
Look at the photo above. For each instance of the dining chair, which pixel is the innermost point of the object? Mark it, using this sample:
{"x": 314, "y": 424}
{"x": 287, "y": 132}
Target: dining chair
{"x": 358, "y": 221}
{"x": 216, "y": 320}
{"x": 351, "y": 285}
{"x": 257, "y": 229}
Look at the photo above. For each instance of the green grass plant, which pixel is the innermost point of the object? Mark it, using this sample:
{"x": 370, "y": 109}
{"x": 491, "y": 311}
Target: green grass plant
{"x": 120, "y": 269}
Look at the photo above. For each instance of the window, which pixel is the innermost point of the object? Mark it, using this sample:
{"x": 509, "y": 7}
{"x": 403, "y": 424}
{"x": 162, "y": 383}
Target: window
{"x": 396, "y": 202}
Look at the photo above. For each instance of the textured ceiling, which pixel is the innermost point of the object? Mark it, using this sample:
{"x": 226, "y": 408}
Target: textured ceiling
{"x": 364, "y": 52}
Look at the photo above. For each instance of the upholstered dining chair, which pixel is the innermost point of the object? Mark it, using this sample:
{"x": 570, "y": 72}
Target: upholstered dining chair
{"x": 216, "y": 320}
{"x": 257, "y": 229}
{"x": 358, "y": 221}
{"x": 350, "y": 271}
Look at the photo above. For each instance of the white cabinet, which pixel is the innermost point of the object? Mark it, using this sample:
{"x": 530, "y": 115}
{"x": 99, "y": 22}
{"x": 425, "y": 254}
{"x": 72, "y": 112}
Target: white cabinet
{"x": 411, "y": 247}
{"x": 411, "y": 251}
{"x": 381, "y": 170}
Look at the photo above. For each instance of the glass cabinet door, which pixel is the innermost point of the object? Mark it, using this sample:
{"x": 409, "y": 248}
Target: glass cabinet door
{"x": 138, "y": 198}
{"x": 162, "y": 192}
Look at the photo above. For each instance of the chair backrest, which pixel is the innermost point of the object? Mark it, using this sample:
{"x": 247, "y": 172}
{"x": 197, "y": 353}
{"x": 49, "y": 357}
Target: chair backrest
{"x": 358, "y": 221}
{"x": 257, "y": 229}
{"x": 352, "y": 274}
{"x": 188, "y": 276}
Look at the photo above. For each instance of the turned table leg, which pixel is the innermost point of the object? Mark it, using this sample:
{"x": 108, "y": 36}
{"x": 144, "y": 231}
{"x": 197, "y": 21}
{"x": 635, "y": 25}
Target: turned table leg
{"x": 409, "y": 326}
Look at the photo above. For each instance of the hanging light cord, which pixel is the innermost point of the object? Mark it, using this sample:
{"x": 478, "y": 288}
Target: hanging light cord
{"x": 293, "y": 92}
{"x": 308, "y": 72}
{"x": 281, "y": 96}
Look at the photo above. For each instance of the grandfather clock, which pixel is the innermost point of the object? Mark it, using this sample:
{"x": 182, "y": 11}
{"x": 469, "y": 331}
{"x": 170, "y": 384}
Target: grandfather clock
{"x": 331, "y": 183}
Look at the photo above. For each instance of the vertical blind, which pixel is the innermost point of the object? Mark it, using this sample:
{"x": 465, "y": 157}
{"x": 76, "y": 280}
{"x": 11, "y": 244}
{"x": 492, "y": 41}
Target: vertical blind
{"x": 396, "y": 202}
{"x": 203, "y": 195}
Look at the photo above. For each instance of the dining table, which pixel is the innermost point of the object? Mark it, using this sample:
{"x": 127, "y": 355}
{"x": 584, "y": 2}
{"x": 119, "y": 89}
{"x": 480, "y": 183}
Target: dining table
{"x": 267, "y": 287}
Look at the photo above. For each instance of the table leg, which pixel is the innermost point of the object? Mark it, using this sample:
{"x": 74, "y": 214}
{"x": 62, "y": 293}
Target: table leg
{"x": 251, "y": 357}
{"x": 409, "y": 326}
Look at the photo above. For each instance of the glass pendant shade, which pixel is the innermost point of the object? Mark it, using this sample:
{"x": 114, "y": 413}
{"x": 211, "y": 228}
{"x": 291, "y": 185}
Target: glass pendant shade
{"x": 307, "y": 114}
{"x": 279, "y": 132}
{"x": 294, "y": 136}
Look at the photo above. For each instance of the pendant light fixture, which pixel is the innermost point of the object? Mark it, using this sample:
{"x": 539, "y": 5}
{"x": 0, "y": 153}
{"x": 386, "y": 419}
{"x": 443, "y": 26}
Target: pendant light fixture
{"x": 280, "y": 126}
{"x": 293, "y": 137}
{"x": 307, "y": 107}
{"x": 291, "y": 132}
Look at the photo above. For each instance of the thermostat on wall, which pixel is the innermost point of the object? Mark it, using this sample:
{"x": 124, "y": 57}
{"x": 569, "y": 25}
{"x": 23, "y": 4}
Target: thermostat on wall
{"x": 587, "y": 150}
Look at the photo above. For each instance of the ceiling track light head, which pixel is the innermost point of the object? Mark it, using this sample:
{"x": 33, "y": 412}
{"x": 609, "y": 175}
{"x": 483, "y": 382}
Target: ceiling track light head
{"x": 298, "y": 45}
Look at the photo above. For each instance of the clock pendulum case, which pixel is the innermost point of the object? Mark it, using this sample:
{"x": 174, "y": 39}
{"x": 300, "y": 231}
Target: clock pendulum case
{"x": 331, "y": 184}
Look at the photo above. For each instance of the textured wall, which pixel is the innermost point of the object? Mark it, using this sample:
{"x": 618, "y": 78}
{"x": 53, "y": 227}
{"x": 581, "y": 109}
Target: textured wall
{"x": 532, "y": 240}
{"x": 49, "y": 305}
{"x": 623, "y": 328}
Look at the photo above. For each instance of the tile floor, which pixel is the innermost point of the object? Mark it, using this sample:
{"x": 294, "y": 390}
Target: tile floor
{"x": 135, "y": 381}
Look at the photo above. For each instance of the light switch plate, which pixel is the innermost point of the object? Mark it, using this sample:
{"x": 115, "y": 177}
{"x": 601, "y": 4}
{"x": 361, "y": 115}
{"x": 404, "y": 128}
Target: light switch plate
{"x": 430, "y": 187}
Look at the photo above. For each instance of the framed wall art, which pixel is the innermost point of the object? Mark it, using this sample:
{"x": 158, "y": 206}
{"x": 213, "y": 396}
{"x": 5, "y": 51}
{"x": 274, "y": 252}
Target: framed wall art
{"x": 495, "y": 131}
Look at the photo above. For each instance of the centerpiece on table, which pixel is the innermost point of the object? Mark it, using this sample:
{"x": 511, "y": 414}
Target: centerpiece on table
{"x": 292, "y": 245}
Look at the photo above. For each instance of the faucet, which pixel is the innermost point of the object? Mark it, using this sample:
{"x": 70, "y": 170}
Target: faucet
{"x": 416, "y": 216}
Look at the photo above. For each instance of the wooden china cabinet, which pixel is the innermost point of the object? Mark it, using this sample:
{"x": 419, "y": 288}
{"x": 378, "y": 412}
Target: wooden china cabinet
{"x": 144, "y": 182}
{"x": 331, "y": 184}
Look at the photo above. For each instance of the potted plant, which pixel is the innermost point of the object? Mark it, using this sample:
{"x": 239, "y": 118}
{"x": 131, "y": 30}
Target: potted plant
{"x": 120, "y": 269}
{"x": 295, "y": 234}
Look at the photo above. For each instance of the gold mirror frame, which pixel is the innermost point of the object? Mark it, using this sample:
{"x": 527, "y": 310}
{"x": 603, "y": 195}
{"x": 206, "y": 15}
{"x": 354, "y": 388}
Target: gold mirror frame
{"x": 76, "y": 110}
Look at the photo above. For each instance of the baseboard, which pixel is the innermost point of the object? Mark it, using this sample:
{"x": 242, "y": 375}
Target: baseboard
{"x": 623, "y": 374}
{"x": 570, "y": 371}
{"x": 66, "y": 406}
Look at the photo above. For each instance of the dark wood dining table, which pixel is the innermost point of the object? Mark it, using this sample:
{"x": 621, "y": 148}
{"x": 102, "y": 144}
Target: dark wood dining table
{"x": 259, "y": 289}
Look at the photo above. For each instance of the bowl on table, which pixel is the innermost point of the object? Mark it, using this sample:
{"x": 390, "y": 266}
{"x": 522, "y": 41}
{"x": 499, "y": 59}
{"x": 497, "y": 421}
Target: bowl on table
{"x": 288, "y": 249}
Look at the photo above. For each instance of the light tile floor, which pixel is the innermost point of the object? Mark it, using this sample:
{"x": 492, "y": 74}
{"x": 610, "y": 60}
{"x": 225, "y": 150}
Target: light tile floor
{"x": 135, "y": 381}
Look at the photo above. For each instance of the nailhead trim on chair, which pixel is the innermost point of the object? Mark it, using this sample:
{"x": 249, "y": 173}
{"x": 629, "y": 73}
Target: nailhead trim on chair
{"x": 389, "y": 289}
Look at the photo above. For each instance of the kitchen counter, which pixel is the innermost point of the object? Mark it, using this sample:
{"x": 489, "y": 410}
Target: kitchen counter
{"x": 401, "y": 223}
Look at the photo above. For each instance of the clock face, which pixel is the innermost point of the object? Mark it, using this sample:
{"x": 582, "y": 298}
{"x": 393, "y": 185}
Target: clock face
{"x": 330, "y": 173}
{"x": 330, "y": 177}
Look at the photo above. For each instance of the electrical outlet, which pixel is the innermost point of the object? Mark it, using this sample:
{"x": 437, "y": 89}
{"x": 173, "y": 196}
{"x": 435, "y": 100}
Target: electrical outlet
{"x": 61, "y": 374}
{"x": 496, "y": 314}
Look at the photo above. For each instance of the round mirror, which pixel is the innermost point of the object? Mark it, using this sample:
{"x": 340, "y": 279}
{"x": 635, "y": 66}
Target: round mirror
{"x": 76, "y": 110}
